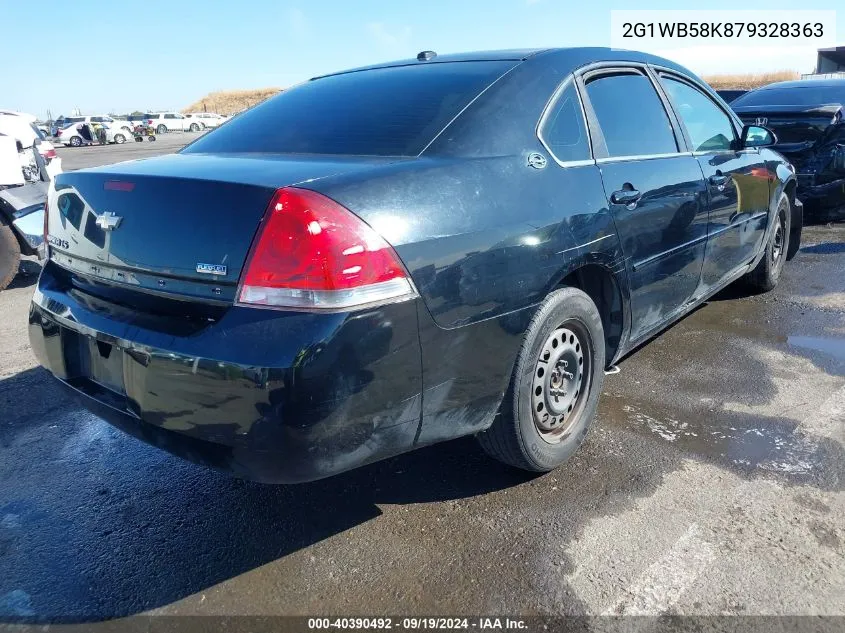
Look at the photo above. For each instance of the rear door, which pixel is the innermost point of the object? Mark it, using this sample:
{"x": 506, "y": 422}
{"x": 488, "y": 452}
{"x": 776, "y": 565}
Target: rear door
{"x": 737, "y": 180}
{"x": 654, "y": 188}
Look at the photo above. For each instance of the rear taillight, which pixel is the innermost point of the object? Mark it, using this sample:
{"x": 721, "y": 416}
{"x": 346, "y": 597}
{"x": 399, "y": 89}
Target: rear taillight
{"x": 311, "y": 253}
{"x": 50, "y": 153}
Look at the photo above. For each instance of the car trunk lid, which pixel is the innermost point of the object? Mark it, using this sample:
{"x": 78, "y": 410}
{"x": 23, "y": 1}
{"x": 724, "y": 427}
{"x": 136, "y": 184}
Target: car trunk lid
{"x": 177, "y": 225}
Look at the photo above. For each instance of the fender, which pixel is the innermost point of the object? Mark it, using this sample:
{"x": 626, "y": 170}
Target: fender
{"x": 784, "y": 177}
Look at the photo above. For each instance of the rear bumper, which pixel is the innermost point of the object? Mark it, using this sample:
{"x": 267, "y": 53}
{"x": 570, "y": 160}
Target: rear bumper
{"x": 266, "y": 395}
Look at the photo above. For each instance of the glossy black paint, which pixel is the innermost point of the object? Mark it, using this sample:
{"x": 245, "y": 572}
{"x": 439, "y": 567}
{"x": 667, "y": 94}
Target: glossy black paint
{"x": 289, "y": 396}
{"x": 730, "y": 95}
{"x": 811, "y": 135}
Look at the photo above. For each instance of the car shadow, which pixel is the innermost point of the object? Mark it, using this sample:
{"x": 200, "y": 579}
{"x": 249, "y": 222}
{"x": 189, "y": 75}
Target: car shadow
{"x": 95, "y": 515}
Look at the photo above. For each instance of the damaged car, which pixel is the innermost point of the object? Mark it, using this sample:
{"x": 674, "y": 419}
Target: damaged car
{"x": 385, "y": 258}
{"x": 808, "y": 118}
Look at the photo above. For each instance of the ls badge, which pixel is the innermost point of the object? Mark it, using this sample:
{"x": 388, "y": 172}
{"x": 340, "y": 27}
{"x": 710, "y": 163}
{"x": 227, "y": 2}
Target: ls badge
{"x": 212, "y": 269}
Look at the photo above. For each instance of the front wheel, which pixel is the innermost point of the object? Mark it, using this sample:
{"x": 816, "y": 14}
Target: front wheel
{"x": 767, "y": 273}
{"x": 75, "y": 141}
{"x": 195, "y": 127}
{"x": 119, "y": 139}
{"x": 555, "y": 386}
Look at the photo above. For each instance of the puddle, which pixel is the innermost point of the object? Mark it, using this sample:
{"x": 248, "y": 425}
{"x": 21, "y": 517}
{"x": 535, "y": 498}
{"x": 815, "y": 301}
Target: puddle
{"x": 831, "y": 346}
{"x": 746, "y": 442}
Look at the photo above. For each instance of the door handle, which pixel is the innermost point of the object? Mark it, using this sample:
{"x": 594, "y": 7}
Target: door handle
{"x": 628, "y": 197}
{"x": 719, "y": 181}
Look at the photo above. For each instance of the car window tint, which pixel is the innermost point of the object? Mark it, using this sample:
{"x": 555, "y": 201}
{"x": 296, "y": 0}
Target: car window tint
{"x": 631, "y": 115}
{"x": 393, "y": 111}
{"x": 806, "y": 95}
{"x": 564, "y": 130}
{"x": 169, "y": 116}
{"x": 709, "y": 128}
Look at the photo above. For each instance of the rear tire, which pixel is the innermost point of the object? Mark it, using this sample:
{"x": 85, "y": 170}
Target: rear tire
{"x": 119, "y": 139}
{"x": 161, "y": 129}
{"x": 555, "y": 386}
{"x": 195, "y": 127}
{"x": 10, "y": 255}
{"x": 767, "y": 273}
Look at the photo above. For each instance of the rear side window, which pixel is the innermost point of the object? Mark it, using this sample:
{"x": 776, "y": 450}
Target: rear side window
{"x": 382, "y": 112}
{"x": 631, "y": 116}
{"x": 564, "y": 130}
{"x": 708, "y": 127}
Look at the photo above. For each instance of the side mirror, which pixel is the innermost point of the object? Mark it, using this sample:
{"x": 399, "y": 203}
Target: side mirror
{"x": 757, "y": 136}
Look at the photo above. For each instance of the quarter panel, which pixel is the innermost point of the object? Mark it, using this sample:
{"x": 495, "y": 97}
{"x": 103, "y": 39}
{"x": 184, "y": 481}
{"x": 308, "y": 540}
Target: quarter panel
{"x": 486, "y": 236}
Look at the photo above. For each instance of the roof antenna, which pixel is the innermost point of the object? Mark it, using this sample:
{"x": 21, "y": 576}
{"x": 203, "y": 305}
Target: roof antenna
{"x": 424, "y": 56}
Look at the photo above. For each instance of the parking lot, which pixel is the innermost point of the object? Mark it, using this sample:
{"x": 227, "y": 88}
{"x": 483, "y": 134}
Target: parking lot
{"x": 712, "y": 483}
{"x": 93, "y": 155}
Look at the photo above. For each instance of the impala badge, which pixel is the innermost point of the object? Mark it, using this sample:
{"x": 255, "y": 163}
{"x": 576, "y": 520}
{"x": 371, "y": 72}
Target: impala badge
{"x": 108, "y": 221}
{"x": 211, "y": 269}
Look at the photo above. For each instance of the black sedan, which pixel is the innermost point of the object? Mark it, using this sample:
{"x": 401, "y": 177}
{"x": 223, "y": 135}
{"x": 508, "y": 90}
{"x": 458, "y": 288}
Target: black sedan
{"x": 389, "y": 257}
{"x": 808, "y": 118}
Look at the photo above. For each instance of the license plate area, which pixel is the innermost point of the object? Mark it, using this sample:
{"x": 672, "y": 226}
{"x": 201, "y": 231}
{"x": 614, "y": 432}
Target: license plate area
{"x": 106, "y": 362}
{"x": 100, "y": 362}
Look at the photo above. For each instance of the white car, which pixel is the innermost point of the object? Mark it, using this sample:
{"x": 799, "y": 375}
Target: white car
{"x": 75, "y": 136}
{"x": 22, "y": 128}
{"x": 163, "y": 122}
{"x": 63, "y": 122}
{"x": 206, "y": 119}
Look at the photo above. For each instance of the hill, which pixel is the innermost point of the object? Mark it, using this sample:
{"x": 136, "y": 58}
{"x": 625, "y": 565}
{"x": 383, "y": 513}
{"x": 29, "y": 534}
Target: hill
{"x": 749, "y": 81}
{"x": 231, "y": 101}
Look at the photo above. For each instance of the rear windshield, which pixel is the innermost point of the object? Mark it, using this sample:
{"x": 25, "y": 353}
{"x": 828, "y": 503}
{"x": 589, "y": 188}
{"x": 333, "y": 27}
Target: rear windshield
{"x": 798, "y": 96}
{"x": 381, "y": 112}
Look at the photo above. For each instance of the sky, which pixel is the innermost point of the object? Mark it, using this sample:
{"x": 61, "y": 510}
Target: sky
{"x": 107, "y": 56}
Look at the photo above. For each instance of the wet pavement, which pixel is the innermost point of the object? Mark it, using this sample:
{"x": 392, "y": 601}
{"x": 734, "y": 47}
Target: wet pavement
{"x": 712, "y": 483}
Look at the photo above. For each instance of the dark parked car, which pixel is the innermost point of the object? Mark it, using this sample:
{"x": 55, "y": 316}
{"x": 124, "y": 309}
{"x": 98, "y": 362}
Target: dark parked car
{"x": 808, "y": 118}
{"x": 389, "y": 257}
{"x": 730, "y": 95}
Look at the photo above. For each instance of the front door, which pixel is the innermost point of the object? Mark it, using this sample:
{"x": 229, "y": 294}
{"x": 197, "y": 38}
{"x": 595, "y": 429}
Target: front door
{"x": 738, "y": 182}
{"x": 655, "y": 191}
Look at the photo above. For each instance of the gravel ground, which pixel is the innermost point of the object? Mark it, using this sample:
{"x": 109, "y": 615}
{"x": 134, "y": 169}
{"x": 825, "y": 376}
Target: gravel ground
{"x": 712, "y": 483}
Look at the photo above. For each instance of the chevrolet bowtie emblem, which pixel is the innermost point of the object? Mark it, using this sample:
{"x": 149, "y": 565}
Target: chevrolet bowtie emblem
{"x": 108, "y": 221}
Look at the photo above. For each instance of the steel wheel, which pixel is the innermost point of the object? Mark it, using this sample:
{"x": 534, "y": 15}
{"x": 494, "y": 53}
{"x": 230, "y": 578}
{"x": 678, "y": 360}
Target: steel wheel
{"x": 555, "y": 385}
{"x": 779, "y": 239}
{"x": 561, "y": 381}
